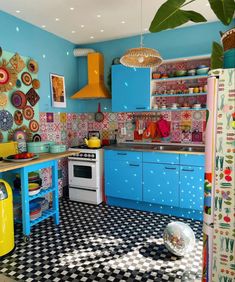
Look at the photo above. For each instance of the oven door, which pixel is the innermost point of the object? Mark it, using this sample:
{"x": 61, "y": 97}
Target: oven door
{"x": 83, "y": 174}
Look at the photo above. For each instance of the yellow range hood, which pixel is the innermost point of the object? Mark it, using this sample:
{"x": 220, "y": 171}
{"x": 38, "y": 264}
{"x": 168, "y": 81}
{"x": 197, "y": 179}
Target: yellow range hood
{"x": 95, "y": 88}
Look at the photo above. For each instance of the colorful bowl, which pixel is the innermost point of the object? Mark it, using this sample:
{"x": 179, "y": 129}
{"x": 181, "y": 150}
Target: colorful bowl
{"x": 202, "y": 71}
{"x": 180, "y": 72}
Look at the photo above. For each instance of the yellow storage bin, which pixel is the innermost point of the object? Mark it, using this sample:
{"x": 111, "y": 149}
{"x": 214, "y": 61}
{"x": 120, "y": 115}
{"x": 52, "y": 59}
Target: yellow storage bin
{"x": 8, "y": 148}
{"x": 7, "y": 242}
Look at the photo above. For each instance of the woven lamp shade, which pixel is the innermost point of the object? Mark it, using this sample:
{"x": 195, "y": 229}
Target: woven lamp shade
{"x": 141, "y": 58}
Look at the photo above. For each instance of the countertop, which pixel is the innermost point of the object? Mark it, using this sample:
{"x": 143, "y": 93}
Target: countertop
{"x": 176, "y": 149}
{"x": 6, "y": 165}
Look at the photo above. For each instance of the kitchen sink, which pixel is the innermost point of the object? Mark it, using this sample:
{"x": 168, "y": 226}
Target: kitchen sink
{"x": 166, "y": 148}
{"x": 193, "y": 149}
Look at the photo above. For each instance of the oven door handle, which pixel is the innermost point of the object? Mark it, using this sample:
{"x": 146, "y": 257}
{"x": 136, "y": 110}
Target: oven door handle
{"x": 87, "y": 161}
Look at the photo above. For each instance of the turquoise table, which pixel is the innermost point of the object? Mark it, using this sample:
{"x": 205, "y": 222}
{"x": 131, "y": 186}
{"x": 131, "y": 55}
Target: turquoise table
{"x": 44, "y": 161}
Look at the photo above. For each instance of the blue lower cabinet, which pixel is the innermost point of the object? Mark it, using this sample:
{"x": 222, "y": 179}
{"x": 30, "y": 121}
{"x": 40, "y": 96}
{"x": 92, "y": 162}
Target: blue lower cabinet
{"x": 191, "y": 187}
{"x": 161, "y": 184}
{"x": 123, "y": 179}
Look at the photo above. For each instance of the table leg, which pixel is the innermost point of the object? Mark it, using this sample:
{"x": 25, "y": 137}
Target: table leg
{"x": 25, "y": 201}
{"x": 55, "y": 193}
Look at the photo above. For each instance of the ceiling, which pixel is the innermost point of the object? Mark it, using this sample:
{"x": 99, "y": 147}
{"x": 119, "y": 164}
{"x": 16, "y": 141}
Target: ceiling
{"x": 88, "y": 21}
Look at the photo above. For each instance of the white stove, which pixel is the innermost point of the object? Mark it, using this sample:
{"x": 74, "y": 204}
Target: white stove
{"x": 86, "y": 175}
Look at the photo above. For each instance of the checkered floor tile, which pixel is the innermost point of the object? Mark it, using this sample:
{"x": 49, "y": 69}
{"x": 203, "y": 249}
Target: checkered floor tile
{"x": 102, "y": 243}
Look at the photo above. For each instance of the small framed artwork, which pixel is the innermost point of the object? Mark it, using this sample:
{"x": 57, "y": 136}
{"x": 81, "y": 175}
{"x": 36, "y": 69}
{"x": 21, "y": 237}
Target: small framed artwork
{"x": 58, "y": 91}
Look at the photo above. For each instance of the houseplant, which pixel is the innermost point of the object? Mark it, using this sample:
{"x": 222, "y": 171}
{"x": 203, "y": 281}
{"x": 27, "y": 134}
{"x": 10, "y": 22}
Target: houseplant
{"x": 171, "y": 14}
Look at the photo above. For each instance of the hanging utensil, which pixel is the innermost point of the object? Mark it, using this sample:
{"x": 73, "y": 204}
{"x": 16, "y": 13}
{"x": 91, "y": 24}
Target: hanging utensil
{"x": 99, "y": 116}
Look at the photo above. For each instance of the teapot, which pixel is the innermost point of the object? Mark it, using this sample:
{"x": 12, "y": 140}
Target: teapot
{"x": 93, "y": 141}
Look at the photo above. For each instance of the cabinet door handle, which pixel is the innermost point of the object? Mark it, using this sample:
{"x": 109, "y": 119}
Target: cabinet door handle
{"x": 187, "y": 169}
{"x": 171, "y": 168}
{"x": 134, "y": 165}
{"x": 122, "y": 154}
{"x": 140, "y": 108}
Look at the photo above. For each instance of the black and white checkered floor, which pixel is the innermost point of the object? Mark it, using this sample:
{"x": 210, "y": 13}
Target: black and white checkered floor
{"x": 102, "y": 243}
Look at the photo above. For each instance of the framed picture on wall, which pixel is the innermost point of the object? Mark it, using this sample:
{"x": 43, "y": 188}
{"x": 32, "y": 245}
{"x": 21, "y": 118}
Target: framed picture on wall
{"x": 58, "y": 91}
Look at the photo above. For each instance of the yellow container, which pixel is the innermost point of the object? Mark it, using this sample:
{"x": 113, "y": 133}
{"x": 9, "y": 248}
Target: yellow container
{"x": 7, "y": 242}
{"x": 8, "y": 148}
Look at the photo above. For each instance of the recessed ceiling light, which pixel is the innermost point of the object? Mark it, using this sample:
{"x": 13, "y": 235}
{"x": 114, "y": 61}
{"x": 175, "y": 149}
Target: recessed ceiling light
{"x": 101, "y": 30}
{"x": 17, "y": 11}
{"x": 98, "y": 16}
{"x": 123, "y": 22}
{"x": 57, "y": 19}
{"x": 91, "y": 37}
{"x": 71, "y": 8}
{"x": 82, "y": 25}
{"x": 43, "y": 26}
{"x": 73, "y": 31}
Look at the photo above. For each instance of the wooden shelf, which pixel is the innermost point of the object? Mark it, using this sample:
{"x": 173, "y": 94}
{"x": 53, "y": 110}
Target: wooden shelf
{"x": 189, "y": 77}
{"x": 177, "y": 110}
{"x": 180, "y": 95}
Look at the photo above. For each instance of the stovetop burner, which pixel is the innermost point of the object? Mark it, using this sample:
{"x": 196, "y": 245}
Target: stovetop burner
{"x": 84, "y": 147}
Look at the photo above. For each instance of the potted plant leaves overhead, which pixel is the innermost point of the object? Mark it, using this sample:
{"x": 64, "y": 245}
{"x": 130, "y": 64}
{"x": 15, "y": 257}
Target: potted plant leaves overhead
{"x": 173, "y": 14}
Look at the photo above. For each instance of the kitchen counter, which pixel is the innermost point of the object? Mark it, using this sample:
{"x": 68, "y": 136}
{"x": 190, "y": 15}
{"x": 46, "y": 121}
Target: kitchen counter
{"x": 43, "y": 157}
{"x": 177, "y": 149}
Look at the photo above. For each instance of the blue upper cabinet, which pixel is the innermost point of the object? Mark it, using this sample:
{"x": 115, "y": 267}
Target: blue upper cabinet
{"x": 130, "y": 89}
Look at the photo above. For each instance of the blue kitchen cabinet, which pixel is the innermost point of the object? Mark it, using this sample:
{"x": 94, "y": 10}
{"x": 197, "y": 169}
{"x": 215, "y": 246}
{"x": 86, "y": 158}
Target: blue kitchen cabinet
{"x": 191, "y": 187}
{"x": 123, "y": 175}
{"x": 161, "y": 184}
{"x": 130, "y": 89}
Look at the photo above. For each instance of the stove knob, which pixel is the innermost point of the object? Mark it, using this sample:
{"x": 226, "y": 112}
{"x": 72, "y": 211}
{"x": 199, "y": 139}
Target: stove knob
{"x": 80, "y": 155}
{"x": 85, "y": 155}
{"x": 93, "y": 156}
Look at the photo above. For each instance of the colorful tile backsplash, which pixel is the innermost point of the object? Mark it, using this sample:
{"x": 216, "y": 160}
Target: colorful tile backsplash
{"x": 71, "y": 129}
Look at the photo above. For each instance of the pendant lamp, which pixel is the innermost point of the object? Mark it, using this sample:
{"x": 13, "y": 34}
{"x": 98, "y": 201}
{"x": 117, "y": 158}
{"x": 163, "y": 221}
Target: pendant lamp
{"x": 141, "y": 57}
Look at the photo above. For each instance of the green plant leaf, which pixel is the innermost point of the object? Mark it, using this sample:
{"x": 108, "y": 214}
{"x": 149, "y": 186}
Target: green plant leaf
{"x": 194, "y": 16}
{"x": 169, "y": 15}
{"x": 216, "y": 56}
{"x": 224, "y": 10}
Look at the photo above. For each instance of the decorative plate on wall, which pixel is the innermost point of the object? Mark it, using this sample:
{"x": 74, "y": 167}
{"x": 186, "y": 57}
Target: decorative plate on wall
{"x": 8, "y": 77}
{"x": 3, "y": 100}
{"x": 32, "y": 66}
{"x": 36, "y": 138}
{"x": 17, "y": 62}
{"x": 6, "y": 120}
{"x": 33, "y": 125}
{"x": 19, "y": 135}
{"x": 23, "y": 128}
{"x": 18, "y": 117}
{"x": 36, "y": 83}
{"x": 18, "y": 99}
{"x": 28, "y": 112}
{"x": 26, "y": 78}
{"x": 32, "y": 96}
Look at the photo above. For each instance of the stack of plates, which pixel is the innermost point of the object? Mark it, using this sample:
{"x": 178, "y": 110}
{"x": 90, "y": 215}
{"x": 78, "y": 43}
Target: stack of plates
{"x": 35, "y": 210}
{"x": 34, "y": 189}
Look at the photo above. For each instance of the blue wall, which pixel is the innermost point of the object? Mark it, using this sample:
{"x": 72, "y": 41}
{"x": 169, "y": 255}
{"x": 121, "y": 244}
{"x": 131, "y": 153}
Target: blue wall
{"x": 34, "y": 42}
{"x": 181, "y": 42}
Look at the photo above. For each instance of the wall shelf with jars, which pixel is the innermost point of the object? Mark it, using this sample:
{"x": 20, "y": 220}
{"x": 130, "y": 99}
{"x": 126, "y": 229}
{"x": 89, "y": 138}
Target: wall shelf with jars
{"x": 180, "y": 84}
